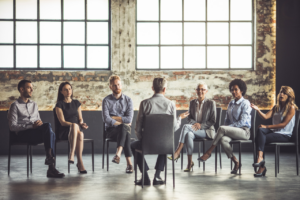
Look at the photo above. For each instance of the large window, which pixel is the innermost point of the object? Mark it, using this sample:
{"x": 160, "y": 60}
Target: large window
{"x": 194, "y": 34}
{"x": 55, "y": 34}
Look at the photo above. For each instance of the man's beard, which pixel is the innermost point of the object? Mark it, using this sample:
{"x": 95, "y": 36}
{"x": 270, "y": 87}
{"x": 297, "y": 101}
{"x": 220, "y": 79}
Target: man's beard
{"x": 117, "y": 91}
{"x": 26, "y": 95}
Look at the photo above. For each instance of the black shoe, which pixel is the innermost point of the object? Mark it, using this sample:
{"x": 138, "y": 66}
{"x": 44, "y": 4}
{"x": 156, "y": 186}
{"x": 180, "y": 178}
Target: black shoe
{"x": 201, "y": 160}
{"x": 260, "y": 164}
{"x": 146, "y": 182}
{"x": 235, "y": 171}
{"x": 50, "y": 161}
{"x": 81, "y": 172}
{"x": 71, "y": 161}
{"x": 54, "y": 173}
{"x": 158, "y": 181}
{"x": 261, "y": 174}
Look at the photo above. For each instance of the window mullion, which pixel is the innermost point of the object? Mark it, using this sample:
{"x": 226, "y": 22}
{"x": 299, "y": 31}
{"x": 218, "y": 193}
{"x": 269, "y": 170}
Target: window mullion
{"x": 229, "y": 43}
{"x": 206, "y": 34}
{"x": 62, "y": 33}
{"x": 14, "y": 18}
{"x": 38, "y": 34}
{"x": 159, "y": 50}
{"x": 85, "y": 34}
{"x": 182, "y": 34}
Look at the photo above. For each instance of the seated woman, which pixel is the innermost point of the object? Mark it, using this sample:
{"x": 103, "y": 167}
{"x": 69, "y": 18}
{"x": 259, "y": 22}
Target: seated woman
{"x": 201, "y": 124}
{"x": 68, "y": 111}
{"x": 237, "y": 123}
{"x": 283, "y": 119}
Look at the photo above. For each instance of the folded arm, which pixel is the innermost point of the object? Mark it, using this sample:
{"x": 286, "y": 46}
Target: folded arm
{"x": 245, "y": 113}
{"x": 106, "y": 117}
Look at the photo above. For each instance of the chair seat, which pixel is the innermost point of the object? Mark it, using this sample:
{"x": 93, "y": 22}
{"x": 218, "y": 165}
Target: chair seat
{"x": 283, "y": 143}
{"x": 84, "y": 140}
{"x": 110, "y": 139}
{"x": 25, "y": 143}
{"x": 240, "y": 141}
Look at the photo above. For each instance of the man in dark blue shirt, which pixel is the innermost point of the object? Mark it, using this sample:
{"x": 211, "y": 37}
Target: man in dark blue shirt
{"x": 117, "y": 111}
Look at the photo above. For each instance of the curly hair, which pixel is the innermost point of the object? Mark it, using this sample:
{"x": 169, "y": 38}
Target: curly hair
{"x": 290, "y": 100}
{"x": 240, "y": 83}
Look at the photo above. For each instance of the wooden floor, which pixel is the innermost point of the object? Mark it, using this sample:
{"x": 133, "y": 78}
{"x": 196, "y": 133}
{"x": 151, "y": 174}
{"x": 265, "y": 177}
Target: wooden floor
{"x": 115, "y": 184}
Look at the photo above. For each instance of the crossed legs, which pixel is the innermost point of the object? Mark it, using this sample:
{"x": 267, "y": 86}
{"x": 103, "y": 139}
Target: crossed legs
{"x": 76, "y": 139}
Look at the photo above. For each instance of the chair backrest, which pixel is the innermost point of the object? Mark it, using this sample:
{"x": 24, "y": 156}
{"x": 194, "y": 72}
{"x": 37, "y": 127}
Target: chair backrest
{"x": 56, "y": 122}
{"x": 296, "y": 127}
{"x": 158, "y": 134}
{"x": 219, "y": 117}
{"x": 9, "y": 131}
{"x": 253, "y": 128}
{"x": 104, "y": 132}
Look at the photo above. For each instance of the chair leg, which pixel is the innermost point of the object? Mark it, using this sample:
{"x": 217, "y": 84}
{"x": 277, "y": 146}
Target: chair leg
{"x": 103, "y": 153}
{"x": 231, "y": 160}
{"x": 181, "y": 158}
{"x": 216, "y": 159}
{"x": 220, "y": 156}
{"x": 240, "y": 158}
{"x": 93, "y": 154}
{"x": 68, "y": 157}
{"x": 297, "y": 160}
{"x": 199, "y": 152}
{"x": 166, "y": 170}
{"x": 135, "y": 166}
{"x": 276, "y": 152}
{"x": 107, "y": 157}
{"x": 143, "y": 169}
{"x": 203, "y": 153}
{"x": 254, "y": 156}
{"x": 9, "y": 155}
{"x": 278, "y": 158}
{"x": 55, "y": 154}
{"x": 173, "y": 169}
{"x": 30, "y": 158}
{"x": 27, "y": 160}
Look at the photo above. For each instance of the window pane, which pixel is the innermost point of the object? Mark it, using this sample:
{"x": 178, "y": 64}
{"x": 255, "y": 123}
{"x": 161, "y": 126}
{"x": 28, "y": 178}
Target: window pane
{"x": 50, "y": 56}
{"x": 97, "y": 32}
{"x": 171, "y": 57}
{"x": 6, "y": 9}
{"x": 240, "y": 33}
{"x": 147, "y": 33}
{"x": 74, "y": 32}
{"x": 6, "y": 32}
{"x": 74, "y": 57}
{"x": 171, "y": 10}
{"x": 6, "y": 56}
{"x": 50, "y": 9}
{"x": 217, "y": 10}
{"x": 194, "y": 57}
{"x": 26, "y": 32}
{"x": 147, "y": 57}
{"x": 97, "y": 9}
{"x": 194, "y": 10}
{"x": 26, "y": 9}
{"x": 241, "y": 10}
{"x": 147, "y": 10}
{"x": 171, "y": 33}
{"x": 50, "y": 32}
{"x": 194, "y": 33}
{"x": 73, "y": 9}
{"x": 217, "y": 57}
{"x": 26, "y": 56}
{"x": 241, "y": 57}
{"x": 97, "y": 57}
{"x": 217, "y": 33}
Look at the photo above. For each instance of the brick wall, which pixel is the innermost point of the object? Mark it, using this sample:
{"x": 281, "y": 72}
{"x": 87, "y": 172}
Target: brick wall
{"x": 90, "y": 87}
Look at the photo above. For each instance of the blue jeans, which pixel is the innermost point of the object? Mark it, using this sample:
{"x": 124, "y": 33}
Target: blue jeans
{"x": 188, "y": 135}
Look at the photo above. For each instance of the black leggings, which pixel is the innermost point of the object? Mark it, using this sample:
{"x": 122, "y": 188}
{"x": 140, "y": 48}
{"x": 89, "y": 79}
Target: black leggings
{"x": 265, "y": 136}
{"x": 121, "y": 133}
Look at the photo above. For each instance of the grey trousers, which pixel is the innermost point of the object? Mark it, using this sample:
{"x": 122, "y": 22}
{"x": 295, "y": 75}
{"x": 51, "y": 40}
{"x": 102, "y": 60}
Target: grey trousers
{"x": 188, "y": 135}
{"x": 225, "y": 134}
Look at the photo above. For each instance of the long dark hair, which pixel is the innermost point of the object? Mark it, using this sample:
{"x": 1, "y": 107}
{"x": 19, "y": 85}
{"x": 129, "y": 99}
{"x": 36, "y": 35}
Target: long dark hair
{"x": 60, "y": 96}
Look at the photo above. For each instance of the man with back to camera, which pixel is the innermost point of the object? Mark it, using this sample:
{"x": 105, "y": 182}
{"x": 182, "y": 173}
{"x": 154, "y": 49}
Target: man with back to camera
{"x": 157, "y": 104}
{"x": 27, "y": 126}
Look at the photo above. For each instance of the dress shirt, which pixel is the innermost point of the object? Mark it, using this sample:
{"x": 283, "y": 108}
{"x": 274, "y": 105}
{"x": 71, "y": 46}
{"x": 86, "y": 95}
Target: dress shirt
{"x": 21, "y": 116}
{"x": 239, "y": 113}
{"x": 199, "y": 111}
{"x": 157, "y": 104}
{"x": 121, "y": 107}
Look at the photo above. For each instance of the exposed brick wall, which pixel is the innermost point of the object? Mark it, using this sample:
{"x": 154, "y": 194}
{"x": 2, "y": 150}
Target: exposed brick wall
{"x": 90, "y": 87}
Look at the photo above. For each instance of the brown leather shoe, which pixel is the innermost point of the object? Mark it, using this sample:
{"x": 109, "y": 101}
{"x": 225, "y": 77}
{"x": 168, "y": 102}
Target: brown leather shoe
{"x": 129, "y": 169}
{"x": 116, "y": 159}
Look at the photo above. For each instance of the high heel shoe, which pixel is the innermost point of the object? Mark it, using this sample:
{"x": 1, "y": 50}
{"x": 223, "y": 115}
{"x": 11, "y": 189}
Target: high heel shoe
{"x": 261, "y": 174}
{"x": 201, "y": 160}
{"x": 71, "y": 161}
{"x": 234, "y": 171}
{"x": 176, "y": 159}
{"x": 81, "y": 172}
{"x": 189, "y": 169}
{"x": 260, "y": 164}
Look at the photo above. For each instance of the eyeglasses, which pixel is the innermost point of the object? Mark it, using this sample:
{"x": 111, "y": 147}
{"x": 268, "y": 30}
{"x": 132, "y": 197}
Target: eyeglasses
{"x": 198, "y": 89}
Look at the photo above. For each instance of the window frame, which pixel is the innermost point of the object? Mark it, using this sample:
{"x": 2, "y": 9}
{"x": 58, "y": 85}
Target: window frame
{"x": 195, "y": 45}
{"x": 61, "y": 44}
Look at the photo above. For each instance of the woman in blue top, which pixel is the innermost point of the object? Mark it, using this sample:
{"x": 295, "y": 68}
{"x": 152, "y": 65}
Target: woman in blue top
{"x": 283, "y": 120}
{"x": 237, "y": 123}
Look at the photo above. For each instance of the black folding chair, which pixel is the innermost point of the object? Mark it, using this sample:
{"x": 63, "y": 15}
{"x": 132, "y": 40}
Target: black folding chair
{"x": 250, "y": 141}
{"x": 67, "y": 141}
{"x": 157, "y": 138}
{"x": 204, "y": 140}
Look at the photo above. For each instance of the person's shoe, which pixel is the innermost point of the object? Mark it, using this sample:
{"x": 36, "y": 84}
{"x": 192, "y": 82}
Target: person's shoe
{"x": 260, "y": 164}
{"x": 50, "y": 161}
{"x": 71, "y": 161}
{"x": 116, "y": 159}
{"x": 261, "y": 174}
{"x": 158, "y": 181}
{"x": 54, "y": 173}
{"x": 175, "y": 159}
{"x": 234, "y": 171}
{"x": 189, "y": 169}
{"x": 81, "y": 172}
{"x": 129, "y": 169}
{"x": 146, "y": 182}
{"x": 201, "y": 160}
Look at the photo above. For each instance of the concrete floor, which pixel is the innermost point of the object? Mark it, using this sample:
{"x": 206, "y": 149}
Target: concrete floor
{"x": 115, "y": 184}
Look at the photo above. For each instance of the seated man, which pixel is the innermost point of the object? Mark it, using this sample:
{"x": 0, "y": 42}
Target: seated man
{"x": 24, "y": 120}
{"x": 157, "y": 104}
{"x": 117, "y": 111}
